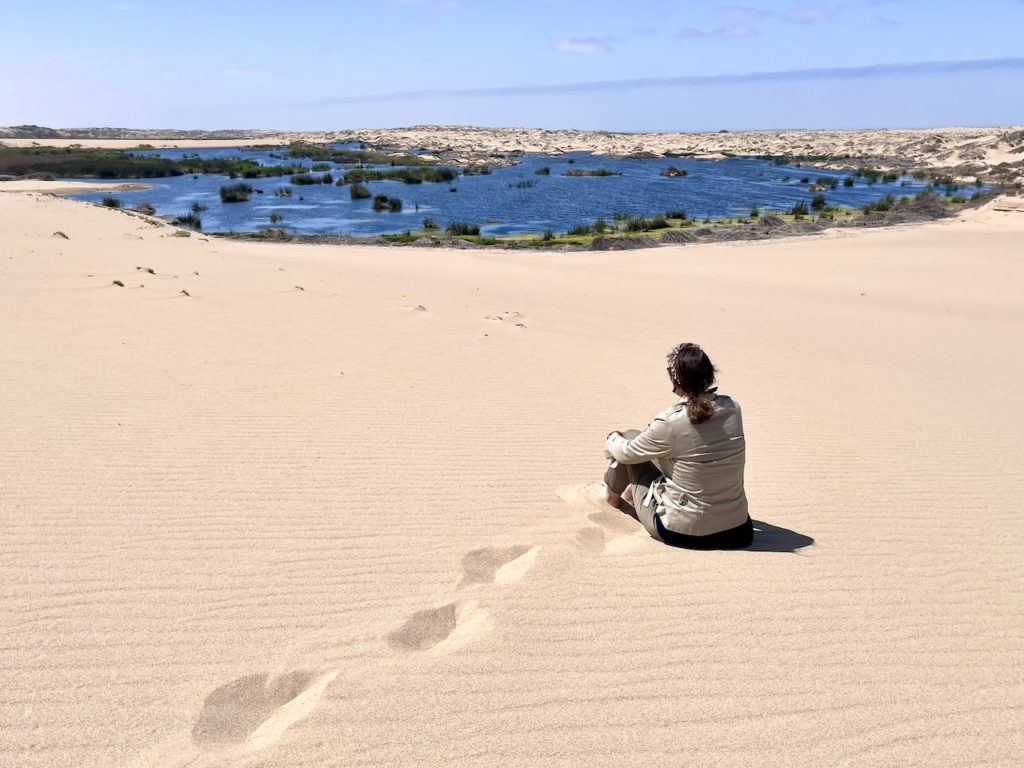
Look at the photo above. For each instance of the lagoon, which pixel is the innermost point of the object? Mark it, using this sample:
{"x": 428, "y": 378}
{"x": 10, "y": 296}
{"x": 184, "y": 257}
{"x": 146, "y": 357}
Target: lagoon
{"x": 510, "y": 200}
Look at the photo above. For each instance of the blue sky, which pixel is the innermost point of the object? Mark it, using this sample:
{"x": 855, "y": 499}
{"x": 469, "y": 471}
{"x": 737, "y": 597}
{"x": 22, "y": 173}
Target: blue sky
{"x": 642, "y": 65}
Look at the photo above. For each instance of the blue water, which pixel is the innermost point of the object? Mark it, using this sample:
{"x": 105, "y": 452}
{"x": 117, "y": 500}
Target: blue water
{"x": 712, "y": 189}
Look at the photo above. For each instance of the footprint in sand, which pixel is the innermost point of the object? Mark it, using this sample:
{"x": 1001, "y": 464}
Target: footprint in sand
{"x": 516, "y": 319}
{"x": 614, "y": 531}
{"x": 496, "y": 565}
{"x": 254, "y": 711}
{"x": 439, "y": 630}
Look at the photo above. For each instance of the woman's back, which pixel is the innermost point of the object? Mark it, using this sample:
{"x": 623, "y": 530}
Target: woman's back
{"x": 703, "y": 489}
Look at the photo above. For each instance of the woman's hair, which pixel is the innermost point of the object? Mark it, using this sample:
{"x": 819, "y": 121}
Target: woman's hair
{"x": 691, "y": 371}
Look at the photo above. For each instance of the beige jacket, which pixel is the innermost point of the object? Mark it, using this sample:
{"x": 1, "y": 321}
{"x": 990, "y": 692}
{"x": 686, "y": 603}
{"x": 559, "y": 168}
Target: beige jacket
{"x": 701, "y": 491}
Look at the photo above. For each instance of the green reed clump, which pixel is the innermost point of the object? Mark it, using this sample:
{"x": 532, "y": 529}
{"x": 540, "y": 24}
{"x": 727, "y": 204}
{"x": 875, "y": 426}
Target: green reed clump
{"x": 543, "y": 171}
{"x": 321, "y": 152}
{"x": 306, "y": 179}
{"x": 79, "y": 162}
{"x": 405, "y": 175}
{"x": 581, "y": 229}
{"x": 799, "y": 210}
{"x": 235, "y": 193}
{"x": 430, "y": 223}
{"x": 189, "y": 220}
{"x": 111, "y": 202}
{"x": 591, "y": 172}
{"x": 887, "y": 203}
{"x": 676, "y": 213}
{"x": 199, "y": 207}
{"x": 457, "y": 228}
{"x": 360, "y": 191}
{"x": 386, "y": 203}
{"x": 818, "y": 202}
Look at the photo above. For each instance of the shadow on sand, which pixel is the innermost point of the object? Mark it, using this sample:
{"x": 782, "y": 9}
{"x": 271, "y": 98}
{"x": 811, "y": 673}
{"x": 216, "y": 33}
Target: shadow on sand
{"x": 767, "y": 537}
{"x": 772, "y": 538}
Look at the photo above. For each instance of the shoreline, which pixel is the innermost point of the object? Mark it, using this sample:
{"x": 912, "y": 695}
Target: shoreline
{"x": 962, "y": 151}
{"x": 770, "y": 225}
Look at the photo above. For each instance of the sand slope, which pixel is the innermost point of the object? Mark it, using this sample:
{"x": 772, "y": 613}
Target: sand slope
{"x": 348, "y": 524}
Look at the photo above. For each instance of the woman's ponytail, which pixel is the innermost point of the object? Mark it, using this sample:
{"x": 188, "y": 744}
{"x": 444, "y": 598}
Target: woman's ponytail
{"x": 700, "y": 408}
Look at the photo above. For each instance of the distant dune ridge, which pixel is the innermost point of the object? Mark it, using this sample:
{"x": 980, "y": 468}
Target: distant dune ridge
{"x": 356, "y": 524}
{"x": 994, "y": 153}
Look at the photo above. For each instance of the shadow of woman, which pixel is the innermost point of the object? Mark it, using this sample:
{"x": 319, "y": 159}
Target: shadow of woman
{"x": 772, "y": 538}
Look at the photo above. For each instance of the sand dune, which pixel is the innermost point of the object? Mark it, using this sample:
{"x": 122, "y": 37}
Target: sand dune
{"x": 351, "y": 524}
{"x": 994, "y": 153}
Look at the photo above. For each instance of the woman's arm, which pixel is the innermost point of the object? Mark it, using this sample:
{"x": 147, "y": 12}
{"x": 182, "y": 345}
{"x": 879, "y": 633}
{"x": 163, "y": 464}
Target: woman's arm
{"x": 654, "y": 442}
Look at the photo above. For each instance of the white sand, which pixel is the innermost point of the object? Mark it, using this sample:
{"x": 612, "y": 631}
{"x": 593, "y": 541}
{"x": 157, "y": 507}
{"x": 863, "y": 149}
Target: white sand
{"x": 972, "y": 150}
{"x": 280, "y": 527}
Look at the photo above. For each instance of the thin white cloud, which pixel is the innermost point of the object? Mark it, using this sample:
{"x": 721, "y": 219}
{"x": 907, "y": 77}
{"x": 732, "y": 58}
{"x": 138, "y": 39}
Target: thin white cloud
{"x": 727, "y": 32}
{"x": 743, "y": 13}
{"x": 809, "y": 14}
{"x": 583, "y": 45}
{"x": 907, "y": 69}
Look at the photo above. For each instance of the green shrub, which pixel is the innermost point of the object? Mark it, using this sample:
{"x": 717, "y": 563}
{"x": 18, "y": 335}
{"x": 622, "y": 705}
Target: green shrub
{"x": 829, "y": 181}
{"x": 755, "y": 212}
{"x": 385, "y": 203}
{"x": 359, "y": 191}
{"x": 545, "y": 171}
{"x": 189, "y": 221}
{"x": 457, "y": 228}
{"x": 304, "y": 179}
{"x": 600, "y": 225}
{"x": 870, "y": 174}
{"x": 235, "y": 193}
{"x": 199, "y": 207}
{"x": 429, "y": 223}
{"x": 547, "y": 235}
{"x": 818, "y": 202}
{"x": 591, "y": 172}
{"x": 799, "y": 210}
{"x": 887, "y": 203}
{"x": 111, "y": 202}
{"x": 405, "y": 175}
{"x": 677, "y": 213}
{"x": 581, "y": 229}
{"x": 848, "y": 181}
{"x": 890, "y": 177}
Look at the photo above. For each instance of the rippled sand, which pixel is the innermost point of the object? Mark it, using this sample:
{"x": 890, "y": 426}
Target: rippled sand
{"x": 332, "y": 507}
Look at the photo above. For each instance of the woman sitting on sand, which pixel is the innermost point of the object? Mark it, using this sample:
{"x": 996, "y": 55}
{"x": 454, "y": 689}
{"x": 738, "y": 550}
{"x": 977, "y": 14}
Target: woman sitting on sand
{"x": 684, "y": 473}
